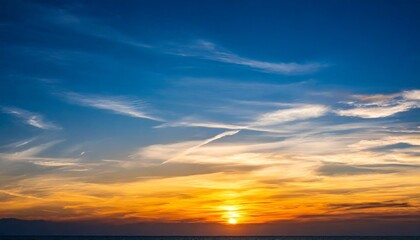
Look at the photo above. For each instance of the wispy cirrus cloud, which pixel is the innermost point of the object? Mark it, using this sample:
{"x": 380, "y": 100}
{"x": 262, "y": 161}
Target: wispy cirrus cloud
{"x": 69, "y": 18}
{"x": 31, "y": 118}
{"x": 20, "y": 143}
{"x": 31, "y": 152}
{"x": 88, "y": 26}
{"x": 208, "y": 50}
{"x": 188, "y": 122}
{"x": 31, "y": 155}
{"x": 294, "y": 113}
{"x": 261, "y": 122}
{"x": 127, "y": 106}
{"x": 300, "y": 112}
{"x": 333, "y": 155}
{"x": 30, "y": 162}
{"x": 381, "y": 105}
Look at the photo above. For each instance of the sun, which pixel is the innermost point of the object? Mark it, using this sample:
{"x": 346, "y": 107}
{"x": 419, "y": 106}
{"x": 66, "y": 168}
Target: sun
{"x": 232, "y": 221}
{"x": 231, "y": 215}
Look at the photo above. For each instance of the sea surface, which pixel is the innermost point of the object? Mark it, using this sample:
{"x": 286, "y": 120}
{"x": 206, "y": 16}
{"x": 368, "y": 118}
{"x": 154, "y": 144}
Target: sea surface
{"x": 196, "y": 238}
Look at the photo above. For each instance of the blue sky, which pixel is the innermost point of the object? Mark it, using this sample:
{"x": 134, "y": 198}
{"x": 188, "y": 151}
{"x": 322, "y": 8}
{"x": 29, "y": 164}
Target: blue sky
{"x": 104, "y": 91}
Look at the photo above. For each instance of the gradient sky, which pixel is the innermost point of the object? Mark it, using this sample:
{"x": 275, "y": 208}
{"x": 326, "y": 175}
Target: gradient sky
{"x": 210, "y": 111}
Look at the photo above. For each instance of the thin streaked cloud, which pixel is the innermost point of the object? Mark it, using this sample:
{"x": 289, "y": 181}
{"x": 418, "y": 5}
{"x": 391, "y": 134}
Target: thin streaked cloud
{"x": 33, "y": 155}
{"x": 381, "y": 105}
{"x": 376, "y": 112}
{"x": 190, "y": 122}
{"x": 30, "y": 118}
{"x": 121, "y": 105}
{"x": 70, "y": 19}
{"x": 291, "y": 114}
{"x": 32, "y": 152}
{"x": 208, "y": 50}
{"x": 261, "y": 122}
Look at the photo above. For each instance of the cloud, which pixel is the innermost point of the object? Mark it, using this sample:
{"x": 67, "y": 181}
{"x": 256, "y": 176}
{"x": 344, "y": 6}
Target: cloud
{"x": 377, "y": 112}
{"x": 119, "y": 105}
{"x": 368, "y": 205}
{"x": 136, "y": 173}
{"x": 190, "y": 122}
{"x": 208, "y": 50}
{"x": 376, "y": 98}
{"x": 247, "y": 153}
{"x": 67, "y": 18}
{"x": 54, "y": 163}
{"x": 412, "y": 95}
{"x": 292, "y": 114}
{"x": 214, "y": 174}
{"x": 30, "y": 118}
{"x": 340, "y": 169}
{"x": 346, "y": 218}
{"x": 381, "y": 105}
{"x": 33, "y": 151}
{"x": 262, "y": 122}
{"x": 391, "y": 147}
{"x": 29, "y": 162}
{"x": 387, "y": 142}
{"x": 23, "y": 143}
{"x": 193, "y": 123}
{"x": 274, "y": 118}
{"x": 90, "y": 27}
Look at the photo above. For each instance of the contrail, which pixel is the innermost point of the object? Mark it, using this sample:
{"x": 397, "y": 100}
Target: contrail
{"x": 205, "y": 142}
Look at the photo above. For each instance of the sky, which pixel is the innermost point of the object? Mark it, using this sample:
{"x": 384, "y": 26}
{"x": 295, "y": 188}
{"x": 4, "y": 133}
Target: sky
{"x": 210, "y": 112}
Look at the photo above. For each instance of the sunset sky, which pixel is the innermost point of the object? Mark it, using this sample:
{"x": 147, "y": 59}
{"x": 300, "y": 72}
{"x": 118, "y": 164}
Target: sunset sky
{"x": 221, "y": 112}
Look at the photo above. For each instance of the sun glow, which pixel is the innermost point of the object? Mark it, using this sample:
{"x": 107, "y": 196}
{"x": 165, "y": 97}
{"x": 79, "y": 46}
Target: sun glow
{"x": 232, "y": 221}
{"x": 231, "y": 215}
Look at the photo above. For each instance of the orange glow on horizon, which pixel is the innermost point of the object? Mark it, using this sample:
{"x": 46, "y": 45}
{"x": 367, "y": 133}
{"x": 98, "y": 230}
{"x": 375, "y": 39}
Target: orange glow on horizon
{"x": 259, "y": 195}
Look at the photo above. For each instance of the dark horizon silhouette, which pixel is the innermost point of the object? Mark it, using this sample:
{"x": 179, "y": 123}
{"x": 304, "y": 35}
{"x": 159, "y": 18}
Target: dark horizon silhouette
{"x": 367, "y": 227}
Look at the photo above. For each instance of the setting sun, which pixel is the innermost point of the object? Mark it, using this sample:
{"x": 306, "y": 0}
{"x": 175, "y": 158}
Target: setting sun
{"x": 231, "y": 214}
{"x": 232, "y": 221}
